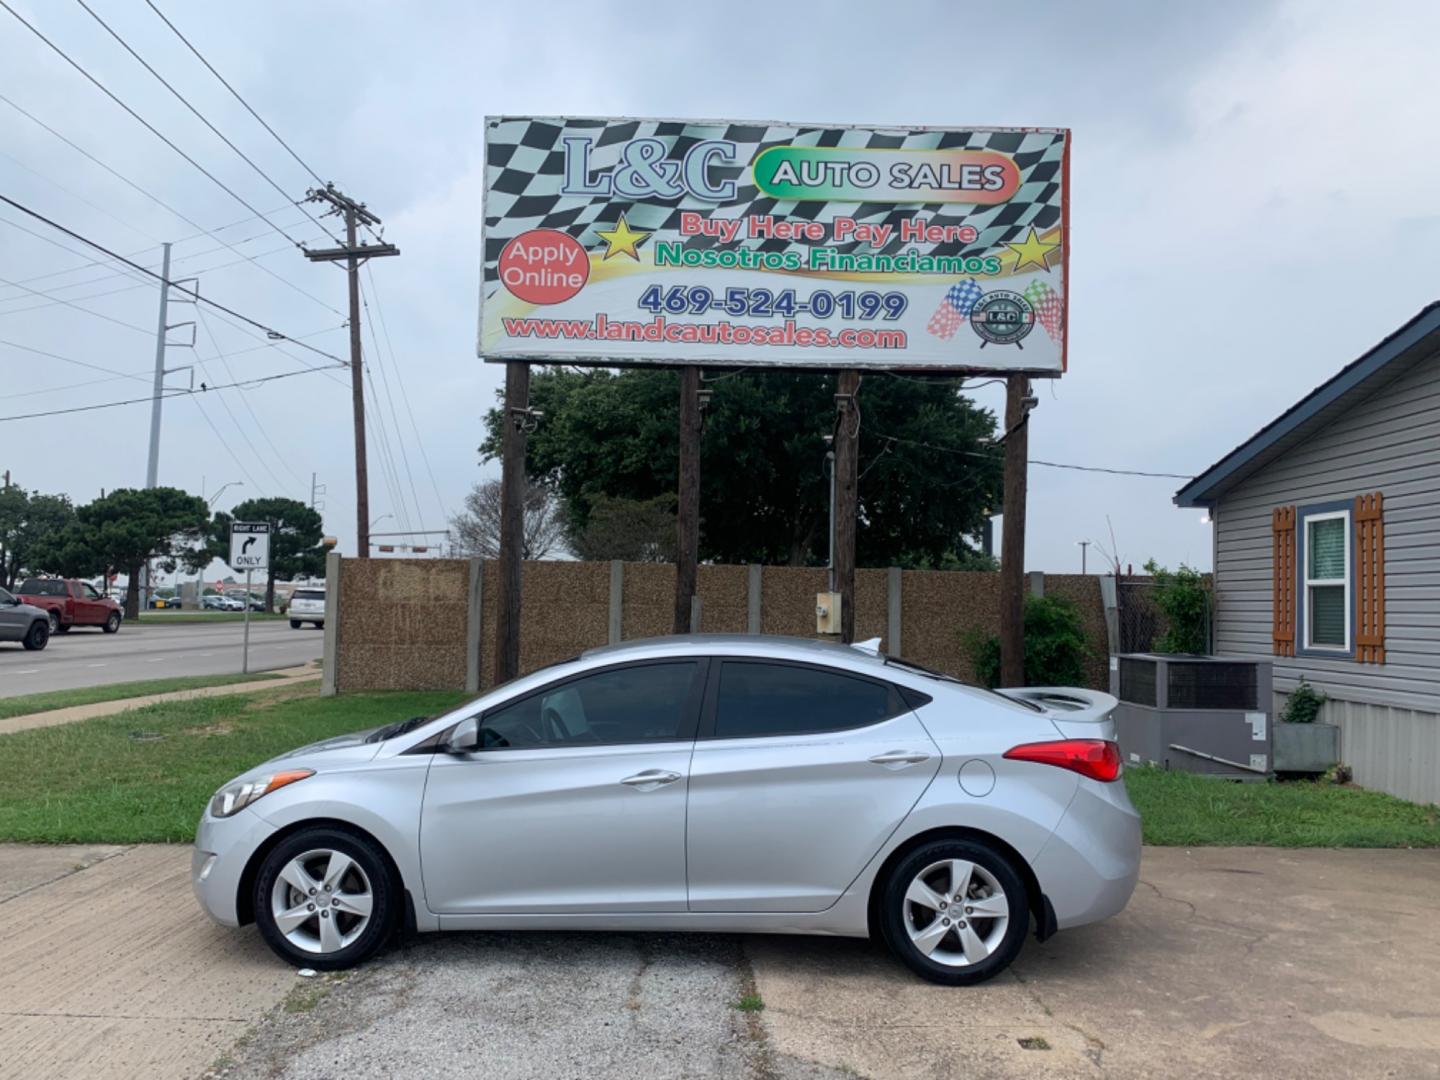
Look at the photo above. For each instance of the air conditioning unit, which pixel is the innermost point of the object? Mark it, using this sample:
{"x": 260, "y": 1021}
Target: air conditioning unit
{"x": 1205, "y": 714}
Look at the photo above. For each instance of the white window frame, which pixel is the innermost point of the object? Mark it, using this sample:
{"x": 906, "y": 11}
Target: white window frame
{"x": 1307, "y": 582}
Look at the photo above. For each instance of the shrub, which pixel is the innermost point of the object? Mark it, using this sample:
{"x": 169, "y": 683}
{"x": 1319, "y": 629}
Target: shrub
{"x": 1183, "y": 598}
{"x": 1055, "y": 646}
{"x": 1303, "y": 704}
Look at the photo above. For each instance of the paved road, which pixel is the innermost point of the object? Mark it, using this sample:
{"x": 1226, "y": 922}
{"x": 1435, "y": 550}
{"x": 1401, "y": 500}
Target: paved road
{"x": 150, "y": 651}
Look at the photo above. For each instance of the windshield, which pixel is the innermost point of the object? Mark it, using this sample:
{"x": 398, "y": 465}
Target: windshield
{"x": 6, "y": 598}
{"x": 930, "y": 673}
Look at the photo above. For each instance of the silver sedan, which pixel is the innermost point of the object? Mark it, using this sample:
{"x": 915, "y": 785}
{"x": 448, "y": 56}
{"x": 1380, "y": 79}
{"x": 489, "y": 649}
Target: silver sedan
{"x": 740, "y": 784}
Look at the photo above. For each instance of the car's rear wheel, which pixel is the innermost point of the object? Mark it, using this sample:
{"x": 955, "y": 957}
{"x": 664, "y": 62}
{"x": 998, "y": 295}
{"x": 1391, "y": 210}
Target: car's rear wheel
{"x": 38, "y": 636}
{"x": 955, "y": 912}
{"x": 324, "y": 898}
{"x": 112, "y": 624}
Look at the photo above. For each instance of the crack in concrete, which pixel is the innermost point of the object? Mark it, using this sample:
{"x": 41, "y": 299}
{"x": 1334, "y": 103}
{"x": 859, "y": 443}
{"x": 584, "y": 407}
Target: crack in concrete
{"x": 79, "y": 868}
{"x": 1094, "y": 1046}
{"x": 1254, "y": 937}
{"x": 130, "y": 1016}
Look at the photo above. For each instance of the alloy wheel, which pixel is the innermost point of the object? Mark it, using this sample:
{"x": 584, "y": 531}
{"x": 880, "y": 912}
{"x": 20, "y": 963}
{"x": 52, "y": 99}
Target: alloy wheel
{"x": 955, "y": 912}
{"x": 321, "y": 901}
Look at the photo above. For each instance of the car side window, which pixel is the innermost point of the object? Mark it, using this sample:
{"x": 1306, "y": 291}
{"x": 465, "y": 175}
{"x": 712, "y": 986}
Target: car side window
{"x": 631, "y": 704}
{"x": 759, "y": 699}
{"x": 91, "y": 593}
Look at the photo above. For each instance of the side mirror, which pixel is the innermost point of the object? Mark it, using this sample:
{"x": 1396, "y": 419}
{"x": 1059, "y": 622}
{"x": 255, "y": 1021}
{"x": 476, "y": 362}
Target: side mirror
{"x": 465, "y": 738}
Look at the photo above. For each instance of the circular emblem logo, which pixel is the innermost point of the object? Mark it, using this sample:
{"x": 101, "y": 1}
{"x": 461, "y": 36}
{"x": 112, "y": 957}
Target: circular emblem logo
{"x": 1002, "y": 318}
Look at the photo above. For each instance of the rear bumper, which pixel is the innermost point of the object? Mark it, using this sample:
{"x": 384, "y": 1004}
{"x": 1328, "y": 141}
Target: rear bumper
{"x": 1089, "y": 867}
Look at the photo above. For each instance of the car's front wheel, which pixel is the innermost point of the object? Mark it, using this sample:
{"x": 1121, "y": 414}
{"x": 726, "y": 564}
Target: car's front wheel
{"x": 112, "y": 623}
{"x": 54, "y": 621}
{"x": 38, "y": 636}
{"x": 955, "y": 912}
{"x": 324, "y": 898}
{"x": 295, "y": 624}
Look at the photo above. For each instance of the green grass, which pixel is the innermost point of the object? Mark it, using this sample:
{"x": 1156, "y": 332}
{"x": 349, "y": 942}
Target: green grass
{"x": 144, "y": 776}
{"x": 1184, "y": 810}
{"x": 89, "y": 695}
{"x": 750, "y": 1003}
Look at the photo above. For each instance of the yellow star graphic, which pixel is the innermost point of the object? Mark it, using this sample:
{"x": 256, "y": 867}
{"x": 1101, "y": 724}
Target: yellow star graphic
{"x": 621, "y": 239}
{"x": 1032, "y": 250}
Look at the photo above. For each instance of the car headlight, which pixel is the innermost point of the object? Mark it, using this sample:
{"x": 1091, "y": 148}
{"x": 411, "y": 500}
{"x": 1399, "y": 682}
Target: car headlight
{"x": 233, "y": 798}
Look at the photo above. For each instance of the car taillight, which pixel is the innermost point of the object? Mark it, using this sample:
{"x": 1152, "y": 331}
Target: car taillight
{"x": 1095, "y": 758}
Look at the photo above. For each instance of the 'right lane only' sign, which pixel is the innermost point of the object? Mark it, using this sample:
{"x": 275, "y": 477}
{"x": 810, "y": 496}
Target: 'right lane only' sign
{"x": 250, "y": 545}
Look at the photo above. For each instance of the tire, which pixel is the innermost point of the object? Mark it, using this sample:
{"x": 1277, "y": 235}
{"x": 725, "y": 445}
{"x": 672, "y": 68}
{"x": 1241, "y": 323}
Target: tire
{"x": 112, "y": 623}
{"x": 320, "y": 625}
{"x": 54, "y": 617}
{"x": 38, "y": 636}
{"x": 912, "y": 921}
{"x": 295, "y": 624}
{"x": 335, "y": 937}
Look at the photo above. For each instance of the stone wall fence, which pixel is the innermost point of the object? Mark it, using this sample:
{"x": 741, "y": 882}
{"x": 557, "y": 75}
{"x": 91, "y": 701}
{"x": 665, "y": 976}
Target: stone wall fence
{"x": 411, "y": 624}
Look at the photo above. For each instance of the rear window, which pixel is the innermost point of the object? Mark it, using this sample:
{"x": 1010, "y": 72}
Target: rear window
{"x": 307, "y": 594}
{"x": 44, "y": 587}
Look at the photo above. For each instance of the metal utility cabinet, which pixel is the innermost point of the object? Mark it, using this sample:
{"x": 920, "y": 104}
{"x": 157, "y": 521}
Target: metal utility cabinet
{"x": 1204, "y": 714}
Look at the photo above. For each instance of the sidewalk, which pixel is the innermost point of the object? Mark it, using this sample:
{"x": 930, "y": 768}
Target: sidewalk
{"x": 108, "y": 967}
{"x": 288, "y": 677}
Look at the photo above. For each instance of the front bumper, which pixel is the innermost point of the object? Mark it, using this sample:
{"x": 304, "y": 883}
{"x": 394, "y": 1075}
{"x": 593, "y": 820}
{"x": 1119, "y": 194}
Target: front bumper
{"x": 223, "y": 847}
{"x": 1089, "y": 866}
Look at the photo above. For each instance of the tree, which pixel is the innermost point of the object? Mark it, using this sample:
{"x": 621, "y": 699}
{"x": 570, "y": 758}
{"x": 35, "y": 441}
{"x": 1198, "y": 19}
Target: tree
{"x": 126, "y": 529}
{"x": 1184, "y": 598}
{"x": 29, "y": 522}
{"x": 477, "y": 530}
{"x": 628, "y": 529}
{"x": 927, "y": 479}
{"x": 296, "y": 540}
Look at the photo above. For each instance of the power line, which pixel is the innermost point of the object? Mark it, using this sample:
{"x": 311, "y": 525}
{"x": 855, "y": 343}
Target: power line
{"x": 235, "y": 93}
{"x": 71, "y": 360}
{"x": 420, "y": 442}
{"x": 394, "y": 417}
{"x": 166, "y": 206}
{"x": 198, "y": 114}
{"x": 179, "y": 392}
{"x": 245, "y": 400}
{"x": 147, "y": 125}
{"x": 1037, "y": 461}
{"x": 194, "y": 294}
{"x": 228, "y": 448}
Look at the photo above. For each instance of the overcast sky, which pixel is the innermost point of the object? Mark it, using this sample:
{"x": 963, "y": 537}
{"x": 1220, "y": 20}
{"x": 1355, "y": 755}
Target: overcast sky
{"x": 1253, "y": 205}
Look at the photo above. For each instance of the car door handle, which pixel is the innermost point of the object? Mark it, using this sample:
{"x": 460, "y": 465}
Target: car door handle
{"x": 650, "y": 779}
{"x": 900, "y": 758}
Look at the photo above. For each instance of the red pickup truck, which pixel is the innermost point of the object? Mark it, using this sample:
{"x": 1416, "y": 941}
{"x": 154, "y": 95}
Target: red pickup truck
{"x": 70, "y": 603}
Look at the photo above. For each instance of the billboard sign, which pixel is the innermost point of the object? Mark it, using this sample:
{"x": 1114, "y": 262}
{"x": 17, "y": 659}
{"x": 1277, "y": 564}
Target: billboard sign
{"x": 623, "y": 241}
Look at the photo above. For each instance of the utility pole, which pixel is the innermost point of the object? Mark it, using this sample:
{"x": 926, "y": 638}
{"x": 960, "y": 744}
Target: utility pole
{"x": 1018, "y": 404}
{"x": 687, "y": 516}
{"x": 316, "y": 490}
{"x": 847, "y": 461}
{"x": 152, "y": 467}
{"x": 1084, "y": 545}
{"x": 519, "y": 422}
{"x": 354, "y": 256}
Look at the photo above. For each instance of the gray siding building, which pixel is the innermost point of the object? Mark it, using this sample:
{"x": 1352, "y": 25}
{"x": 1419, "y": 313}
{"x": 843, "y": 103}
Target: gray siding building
{"x": 1327, "y": 555}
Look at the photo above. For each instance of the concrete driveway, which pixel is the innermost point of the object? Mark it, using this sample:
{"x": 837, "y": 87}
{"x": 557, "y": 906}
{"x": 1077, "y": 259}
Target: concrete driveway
{"x": 108, "y": 969}
{"x": 1228, "y": 963}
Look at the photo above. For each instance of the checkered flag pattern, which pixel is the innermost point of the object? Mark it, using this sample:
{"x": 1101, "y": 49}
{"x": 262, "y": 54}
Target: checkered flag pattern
{"x": 1048, "y": 308}
{"x": 954, "y": 309}
{"x": 525, "y": 165}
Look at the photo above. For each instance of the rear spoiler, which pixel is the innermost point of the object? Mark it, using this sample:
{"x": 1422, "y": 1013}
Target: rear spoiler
{"x": 1067, "y": 703}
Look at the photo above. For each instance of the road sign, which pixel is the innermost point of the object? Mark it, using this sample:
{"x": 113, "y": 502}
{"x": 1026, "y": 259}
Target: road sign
{"x": 250, "y": 545}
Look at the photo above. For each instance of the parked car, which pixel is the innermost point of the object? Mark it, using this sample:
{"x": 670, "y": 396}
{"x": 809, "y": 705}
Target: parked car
{"x": 718, "y": 783}
{"x": 22, "y": 622}
{"x": 307, "y": 605}
{"x": 166, "y": 601}
{"x": 69, "y": 603}
{"x": 214, "y": 602}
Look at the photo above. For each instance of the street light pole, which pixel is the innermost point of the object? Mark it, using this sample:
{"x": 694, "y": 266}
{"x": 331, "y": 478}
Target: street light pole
{"x": 1083, "y": 545}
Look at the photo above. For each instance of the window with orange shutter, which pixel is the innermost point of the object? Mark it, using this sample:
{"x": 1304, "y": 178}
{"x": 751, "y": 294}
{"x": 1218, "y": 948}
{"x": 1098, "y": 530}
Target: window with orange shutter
{"x": 1369, "y": 579}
